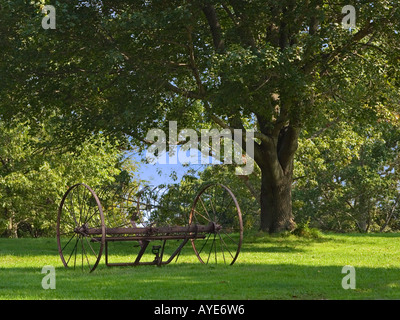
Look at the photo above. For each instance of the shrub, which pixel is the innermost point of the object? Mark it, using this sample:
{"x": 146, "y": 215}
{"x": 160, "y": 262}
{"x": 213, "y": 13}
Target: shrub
{"x": 304, "y": 230}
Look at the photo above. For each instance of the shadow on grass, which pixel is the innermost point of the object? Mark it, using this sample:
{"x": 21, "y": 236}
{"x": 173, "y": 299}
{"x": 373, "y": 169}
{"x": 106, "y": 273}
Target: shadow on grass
{"x": 194, "y": 281}
{"x": 272, "y": 249}
{"x": 188, "y": 279}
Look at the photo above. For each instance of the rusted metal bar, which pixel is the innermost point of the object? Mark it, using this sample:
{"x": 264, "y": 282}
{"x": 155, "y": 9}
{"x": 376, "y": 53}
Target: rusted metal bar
{"x": 210, "y": 228}
{"x": 176, "y": 252}
{"x": 137, "y": 262}
{"x": 160, "y": 237}
{"x": 143, "y": 248}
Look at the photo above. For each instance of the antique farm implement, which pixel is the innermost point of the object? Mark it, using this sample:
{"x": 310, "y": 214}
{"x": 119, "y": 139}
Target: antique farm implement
{"x": 87, "y": 222}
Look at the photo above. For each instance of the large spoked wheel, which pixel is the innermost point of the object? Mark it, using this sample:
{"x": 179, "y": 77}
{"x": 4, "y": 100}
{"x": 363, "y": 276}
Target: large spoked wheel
{"x": 216, "y": 204}
{"x": 81, "y": 230}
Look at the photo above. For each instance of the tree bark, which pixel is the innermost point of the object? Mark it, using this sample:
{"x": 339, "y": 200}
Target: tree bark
{"x": 276, "y": 162}
{"x": 276, "y": 204}
{"x": 363, "y": 213}
{"x": 12, "y": 226}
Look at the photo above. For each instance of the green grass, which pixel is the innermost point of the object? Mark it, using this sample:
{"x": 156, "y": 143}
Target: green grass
{"x": 269, "y": 267}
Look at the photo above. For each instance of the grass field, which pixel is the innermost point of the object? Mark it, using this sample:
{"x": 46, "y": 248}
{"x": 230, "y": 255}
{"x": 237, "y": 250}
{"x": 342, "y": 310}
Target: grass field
{"x": 268, "y": 267}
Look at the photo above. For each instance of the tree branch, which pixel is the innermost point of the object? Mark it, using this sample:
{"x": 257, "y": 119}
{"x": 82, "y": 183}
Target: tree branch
{"x": 244, "y": 32}
{"x": 392, "y": 210}
{"x": 185, "y": 93}
{"x": 368, "y": 29}
{"x": 322, "y": 130}
{"x": 215, "y": 27}
{"x": 192, "y": 63}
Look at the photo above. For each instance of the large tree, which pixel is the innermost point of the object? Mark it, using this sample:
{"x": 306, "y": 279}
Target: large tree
{"x": 277, "y": 67}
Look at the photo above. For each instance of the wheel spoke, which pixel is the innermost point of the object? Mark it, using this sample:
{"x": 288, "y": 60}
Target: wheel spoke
{"x": 88, "y": 242}
{"x": 198, "y": 213}
{"x": 73, "y": 216}
{"x": 221, "y": 245}
{"x": 80, "y": 206}
{"x": 213, "y": 209}
{"x": 68, "y": 242}
{"x": 202, "y": 203}
{"x": 212, "y": 244}
{"x": 220, "y": 203}
{"x": 226, "y": 246}
{"x": 76, "y": 250}
{"x": 84, "y": 252}
{"x": 204, "y": 244}
{"x": 227, "y": 234}
{"x": 72, "y": 212}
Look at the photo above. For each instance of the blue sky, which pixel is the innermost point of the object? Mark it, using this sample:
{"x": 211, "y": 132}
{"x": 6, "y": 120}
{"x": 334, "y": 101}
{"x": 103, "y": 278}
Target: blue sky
{"x": 157, "y": 173}
{"x": 160, "y": 173}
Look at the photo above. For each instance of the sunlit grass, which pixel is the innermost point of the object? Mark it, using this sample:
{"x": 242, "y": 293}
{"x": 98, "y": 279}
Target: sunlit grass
{"x": 268, "y": 267}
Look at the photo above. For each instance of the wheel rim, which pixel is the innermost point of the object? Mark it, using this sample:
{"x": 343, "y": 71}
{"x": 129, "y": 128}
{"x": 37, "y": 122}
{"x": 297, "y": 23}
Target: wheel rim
{"x": 80, "y": 210}
{"x": 217, "y": 204}
{"x": 119, "y": 205}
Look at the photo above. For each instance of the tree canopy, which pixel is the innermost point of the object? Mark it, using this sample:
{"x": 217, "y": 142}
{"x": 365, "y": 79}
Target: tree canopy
{"x": 278, "y": 67}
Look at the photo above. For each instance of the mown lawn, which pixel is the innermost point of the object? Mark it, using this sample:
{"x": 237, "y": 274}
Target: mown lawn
{"x": 269, "y": 267}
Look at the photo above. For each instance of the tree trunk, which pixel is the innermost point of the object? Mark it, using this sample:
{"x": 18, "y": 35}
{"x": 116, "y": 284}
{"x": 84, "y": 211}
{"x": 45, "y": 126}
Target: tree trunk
{"x": 276, "y": 204}
{"x": 363, "y": 217}
{"x": 276, "y": 160}
{"x": 12, "y": 227}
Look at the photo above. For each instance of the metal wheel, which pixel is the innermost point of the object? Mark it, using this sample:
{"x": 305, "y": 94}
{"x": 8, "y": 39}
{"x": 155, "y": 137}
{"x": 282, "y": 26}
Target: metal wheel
{"x": 216, "y": 204}
{"x": 120, "y": 205}
{"x": 79, "y": 212}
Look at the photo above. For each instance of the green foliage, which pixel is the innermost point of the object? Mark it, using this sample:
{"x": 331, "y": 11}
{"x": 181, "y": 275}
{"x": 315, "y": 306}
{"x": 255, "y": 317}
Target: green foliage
{"x": 304, "y": 230}
{"x": 34, "y": 174}
{"x": 347, "y": 177}
{"x": 141, "y": 64}
{"x": 279, "y": 67}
